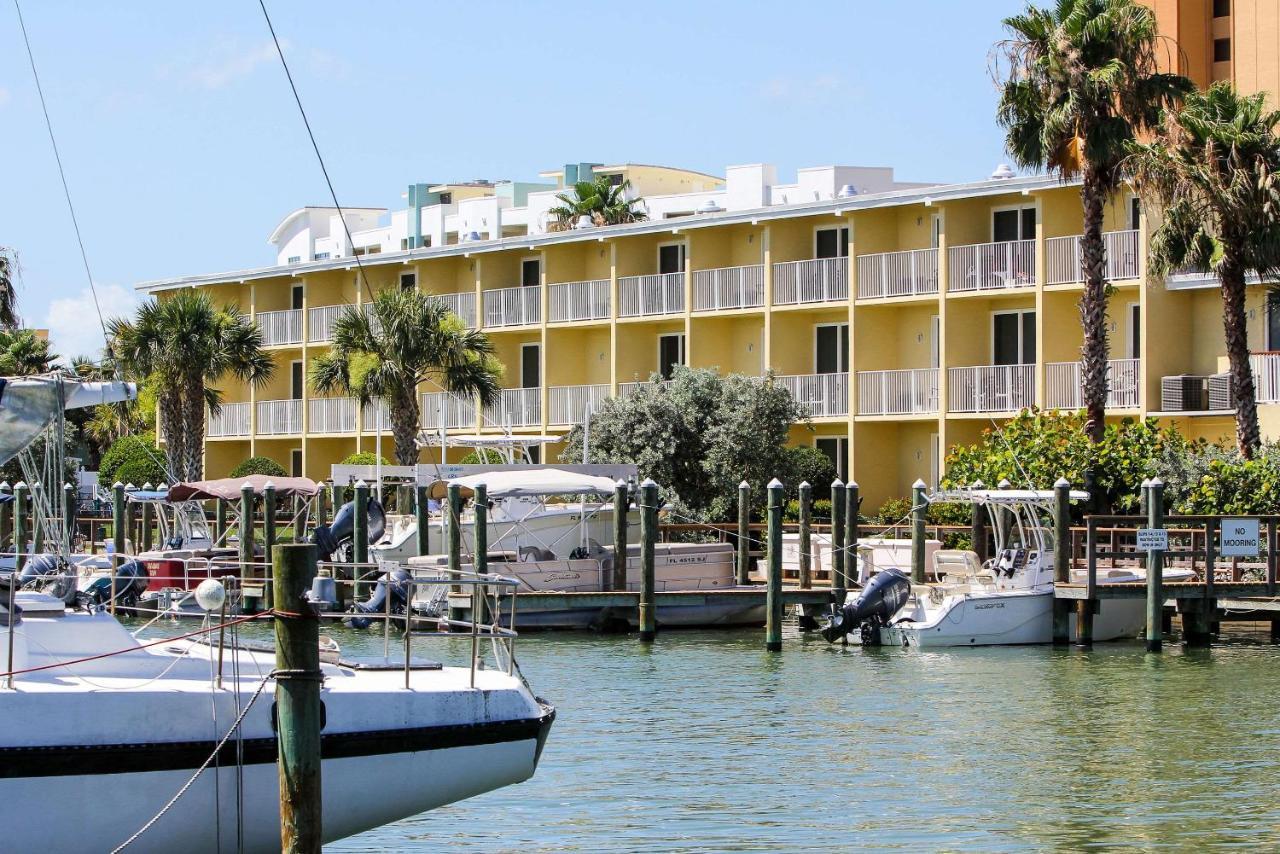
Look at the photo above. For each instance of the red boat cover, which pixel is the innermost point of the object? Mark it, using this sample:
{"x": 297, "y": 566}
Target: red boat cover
{"x": 229, "y": 487}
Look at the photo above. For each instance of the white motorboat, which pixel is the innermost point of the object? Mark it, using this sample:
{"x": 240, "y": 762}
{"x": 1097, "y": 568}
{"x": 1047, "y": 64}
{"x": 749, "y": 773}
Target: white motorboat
{"x": 1006, "y": 600}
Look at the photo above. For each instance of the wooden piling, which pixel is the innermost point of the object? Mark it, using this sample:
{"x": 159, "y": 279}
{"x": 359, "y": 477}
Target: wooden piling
{"x": 806, "y": 554}
{"x": 21, "y": 521}
{"x": 744, "y": 533}
{"x": 479, "y": 566}
{"x": 69, "y": 514}
{"x": 119, "y": 528}
{"x": 360, "y": 528}
{"x": 6, "y": 516}
{"x": 852, "y": 508}
{"x": 269, "y": 517}
{"x": 298, "y": 680}
{"x": 1084, "y": 608}
{"x": 145, "y": 540}
{"x": 978, "y": 526}
{"x": 37, "y": 524}
{"x": 621, "y": 502}
{"x": 648, "y": 538}
{"x": 839, "y": 580}
{"x": 454, "y": 541}
{"x": 919, "y": 507}
{"x": 322, "y": 507}
{"x": 422, "y": 518}
{"x": 220, "y": 521}
{"x": 1061, "y": 558}
{"x": 773, "y": 594}
{"x": 1155, "y": 568}
{"x": 246, "y": 527}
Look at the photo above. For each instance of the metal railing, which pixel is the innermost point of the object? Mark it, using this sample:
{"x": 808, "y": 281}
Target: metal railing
{"x": 625, "y": 389}
{"x": 991, "y": 388}
{"x": 375, "y": 417}
{"x": 462, "y": 304}
{"x": 1063, "y": 265}
{"x": 992, "y": 266}
{"x": 279, "y": 417}
{"x": 1062, "y": 384}
{"x": 902, "y": 392}
{"x": 513, "y": 306}
{"x": 451, "y": 411}
{"x": 820, "y": 395}
{"x": 898, "y": 274}
{"x": 518, "y": 407}
{"x": 233, "y": 419}
{"x": 320, "y": 322}
{"x": 332, "y": 415}
{"x": 728, "y": 287}
{"x": 570, "y": 403}
{"x": 661, "y": 293}
{"x": 280, "y": 327}
{"x": 1266, "y": 376}
{"x": 568, "y": 301}
{"x": 818, "y": 280}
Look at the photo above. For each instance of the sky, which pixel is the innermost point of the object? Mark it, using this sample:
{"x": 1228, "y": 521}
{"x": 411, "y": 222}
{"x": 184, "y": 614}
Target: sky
{"x": 183, "y": 147}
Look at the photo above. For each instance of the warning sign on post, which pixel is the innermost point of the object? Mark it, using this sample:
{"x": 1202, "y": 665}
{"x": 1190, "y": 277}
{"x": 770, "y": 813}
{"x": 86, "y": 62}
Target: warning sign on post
{"x": 1239, "y": 538}
{"x": 1153, "y": 540}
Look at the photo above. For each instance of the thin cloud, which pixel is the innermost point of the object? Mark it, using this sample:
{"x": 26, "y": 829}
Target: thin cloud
{"x": 817, "y": 87}
{"x": 230, "y": 62}
{"x": 73, "y": 321}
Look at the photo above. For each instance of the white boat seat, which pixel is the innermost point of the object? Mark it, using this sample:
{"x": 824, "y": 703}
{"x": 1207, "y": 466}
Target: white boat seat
{"x": 958, "y": 564}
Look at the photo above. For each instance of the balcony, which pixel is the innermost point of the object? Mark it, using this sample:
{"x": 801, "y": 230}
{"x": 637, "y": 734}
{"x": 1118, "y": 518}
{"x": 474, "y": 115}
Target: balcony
{"x": 461, "y": 304}
{"x": 518, "y": 407}
{"x": 819, "y": 280}
{"x": 513, "y": 307}
{"x": 641, "y": 296}
{"x": 375, "y": 417}
{"x": 819, "y": 395}
{"x": 320, "y": 322}
{"x": 728, "y": 287}
{"x": 280, "y": 327}
{"x": 570, "y": 404}
{"x": 904, "y": 392}
{"x": 331, "y": 415}
{"x": 625, "y": 389}
{"x": 991, "y": 388}
{"x": 1062, "y": 381}
{"x": 1062, "y": 260}
{"x": 992, "y": 266}
{"x": 279, "y": 417}
{"x": 576, "y": 301}
{"x": 451, "y": 411}
{"x": 233, "y": 419}
{"x": 913, "y": 272}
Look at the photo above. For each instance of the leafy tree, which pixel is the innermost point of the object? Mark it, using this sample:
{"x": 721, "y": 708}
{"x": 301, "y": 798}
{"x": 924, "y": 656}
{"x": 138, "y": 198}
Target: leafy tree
{"x": 364, "y": 458}
{"x": 9, "y": 272}
{"x": 259, "y": 465}
{"x": 22, "y": 354}
{"x": 408, "y": 339}
{"x": 807, "y": 463}
{"x": 603, "y": 201}
{"x": 132, "y": 459}
{"x": 1079, "y": 83}
{"x": 1213, "y": 166}
{"x": 697, "y": 436}
{"x": 183, "y": 345}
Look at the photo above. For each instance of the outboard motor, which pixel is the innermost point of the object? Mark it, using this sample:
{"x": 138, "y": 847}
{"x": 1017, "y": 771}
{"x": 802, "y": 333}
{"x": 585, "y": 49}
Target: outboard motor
{"x": 330, "y": 538}
{"x": 394, "y": 584}
{"x": 883, "y": 596}
{"x": 131, "y": 582}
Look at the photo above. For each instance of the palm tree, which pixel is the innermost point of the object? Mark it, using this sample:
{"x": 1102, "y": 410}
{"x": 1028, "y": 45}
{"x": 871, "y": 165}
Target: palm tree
{"x": 1213, "y": 166}
{"x": 9, "y": 271}
{"x": 1080, "y": 82}
{"x": 407, "y": 339}
{"x": 601, "y": 200}
{"x": 22, "y": 354}
{"x": 183, "y": 345}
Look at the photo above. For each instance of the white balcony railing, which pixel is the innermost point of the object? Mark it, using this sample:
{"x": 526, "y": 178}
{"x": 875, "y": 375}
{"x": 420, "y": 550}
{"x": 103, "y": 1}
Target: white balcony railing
{"x": 662, "y": 293}
{"x": 991, "y": 388}
{"x": 279, "y": 417}
{"x": 375, "y": 417}
{"x": 571, "y": 403}
{"x": 1266, "y": 376}
{"x": 518, "y": 407}
{"x": 1062, "y": 261}
{"x": 513, "y": 306}
{"x": 1062, "y": 385}
{"x": 625, "y": 389}
{"x": 451, "y": 411}
{"x": 903, "y": 392}
{"x": 819, "y": 280}
{"x": 728, "y": 287}
{"x": 820, "y": 395}
{"x": 570, "y": 301}
{"x": 281, "y": 327}
{"x": 992, "y": 266}
{"x": 233, "y": 419}
{"x": 461, "y": 304}
{"x": 332, "y": 415}
{"x": 898, "y": 274}
{"x": 320, "y": 322}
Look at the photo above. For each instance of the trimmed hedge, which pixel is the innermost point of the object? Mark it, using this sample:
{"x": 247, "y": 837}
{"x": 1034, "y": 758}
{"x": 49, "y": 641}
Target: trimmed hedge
{"x": 364, "y": 458}
{"x": 133, "y": 459}
{"x": 259, "y": 465}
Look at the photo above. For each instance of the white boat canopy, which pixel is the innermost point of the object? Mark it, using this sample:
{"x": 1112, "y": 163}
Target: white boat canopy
{"x": 1000, "y": 496}
{"x": 428, "y": 440}
{"x": 520, "y": 483}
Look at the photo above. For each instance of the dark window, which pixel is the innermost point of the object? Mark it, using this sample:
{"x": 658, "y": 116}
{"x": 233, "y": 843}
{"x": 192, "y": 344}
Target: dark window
{"x": 295, "y": 381}
{"x": 446, "y": 198}
{"x": 529, "y": 366}
{"x": 1013, "y": 225}
{"x": 670, "y": 353}
{"x": 832, "y": 345}
{"x": 671, "y": 258}
{"x": 1135, "y": 209}
{"x": 408, "y": 281}
{"x": 832, "y": 243}
{"x": 295, "y": 463}
{"x": 1273, "y": 321}
{"x": 530, "y": 273}
{"x": 1221, "y": 8}
{"x": 1015, "y": 338}
{"x": 1135, "y": 331}
{"x": 615, "y": 180}
{"x": 1222, "y": 50}
{"x": 297, "y": 297}
{"x": 534, "y": 453}
{"x": 837, "y": 450}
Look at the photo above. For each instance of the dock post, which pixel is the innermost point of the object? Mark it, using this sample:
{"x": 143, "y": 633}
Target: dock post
{"x": 6, "y": 517}
{"x": 69, "y": 513}
{"x": 119, "y": 530}
{"x": 919, "y": 507}
{"x": 339, "y": 497}
{"x": 744, "y": 533}
{"x": 978, "y": 526}
{"x": 298, "y": 678}
{"x": 1061, "y": 558}
{"x": 422, "y": 518}
{"x": 322, "y": 508}
{"x": 839, "y": 579}
{"x": 1084, "y": 609}
{"x": 648, "y": 537}
{"x": 246, "y": 524}
{"x": 145, "y": 540}
{"x": 20, "y": 526}
{"x": 773, "y": 595}
{"x": 359, "y": 536}
{"x": 269, "y": 518}
{"x": 220, "y": 521}
{"x": 1197, "y": 617}
{"x": 1155, "y": 568}
{"x": 806, "y": 555}
{"x": 454, "y": 543}
{"x": 621, "y": 503}
{"x": 852, "y": 506}
{"x": 479, "y": 566}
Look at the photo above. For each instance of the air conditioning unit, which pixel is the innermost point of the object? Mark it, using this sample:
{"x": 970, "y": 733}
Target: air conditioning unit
{"x": 1220, "y": 396}
{"x": 1183, "y": 393}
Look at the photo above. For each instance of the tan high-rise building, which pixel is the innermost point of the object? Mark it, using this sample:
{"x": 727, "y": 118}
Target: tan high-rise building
{"x": 1237, "y": 40}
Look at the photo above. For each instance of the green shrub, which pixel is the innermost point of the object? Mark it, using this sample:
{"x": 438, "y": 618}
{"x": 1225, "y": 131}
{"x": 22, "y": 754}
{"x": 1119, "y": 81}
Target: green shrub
{"x": 807, "y": 463}
{"x": 819, "y": 514}
{"x": 364, "y": 458}
{"x": 133, "y": 459}
{"x": 259, "y": 465}
{"x": 481, "y": 456}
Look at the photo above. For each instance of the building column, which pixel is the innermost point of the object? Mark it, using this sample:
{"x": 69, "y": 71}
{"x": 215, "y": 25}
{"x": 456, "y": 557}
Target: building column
{"x": 253, "y": 390}
{"x": 306, "y": 390}
{"x": 1042, "y": 273}
{"x": 614, "y": 308}
{"x": 544, "y": 396}
{"x": 766, "y": 259}
{"x": 852, "y": 260}
{"x": 944, "y": 359}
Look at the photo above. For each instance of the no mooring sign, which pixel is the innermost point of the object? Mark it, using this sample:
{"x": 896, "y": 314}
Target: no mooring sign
{"x": 1239, "y": 538}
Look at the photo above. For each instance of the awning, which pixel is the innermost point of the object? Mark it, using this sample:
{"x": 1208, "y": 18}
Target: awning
{"x": 527, "y": 482}
{"x": 229, "y": 487}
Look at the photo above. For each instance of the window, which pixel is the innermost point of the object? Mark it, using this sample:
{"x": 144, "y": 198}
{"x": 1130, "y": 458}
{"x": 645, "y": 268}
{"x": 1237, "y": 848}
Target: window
{"x": 671, "y": 258}
{"x": 1013, "y": 224}
{"x": 837, "y": 450}
{"x": 1135, "y": 330}
{"x": 935, "y": 231}
{"x": 671, "y": 352}
{"x": 615, "y": 180}
{"x": 297, "y": 297}
{"x": 446, "y": 198}
{"x": 367, "y": 250}
{"x": 1221, "y": 8}
{"x": 531, "y": 273}
{"x": 1222, "y": 50}
{"x": 408, "y": 281}
{"x": 1135, "y": 211}
{"x": 831, "y": 348}
{"x": 404, "y": 243}
{"x": 831, "y": 243}
{"x": 1013, "y": 337}
{"x": 1273, "y": 321}
{"x": 533, "y": 454}
{"x": 425, "y": 241}
{"x": 295, "y": 380}
{"x": 321, "y": 256}
{"x": 530, "y": 366}
{"x": 935, "y": 341}
{"x": 294, "y": 259}
{"x": 295, "y": 462}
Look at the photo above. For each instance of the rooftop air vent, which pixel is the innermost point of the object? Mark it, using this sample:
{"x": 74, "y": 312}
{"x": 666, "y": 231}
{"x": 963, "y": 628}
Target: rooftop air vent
{"x": 584, "y": 221}
{"x": 1003, "y": 172}
{"x": 709, "y": 206}
{"x": 846, "y": 191}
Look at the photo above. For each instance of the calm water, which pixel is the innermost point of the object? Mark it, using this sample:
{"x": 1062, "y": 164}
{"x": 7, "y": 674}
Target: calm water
{"x": 703, "y": 742}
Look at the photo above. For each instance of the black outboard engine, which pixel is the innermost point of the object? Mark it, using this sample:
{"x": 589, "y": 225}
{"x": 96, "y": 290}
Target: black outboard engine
{"x": 330, "y": 538}
{"x": 131, "y": 582}
{"x": 884, "y": 595}
{"x": 394, "y": 584}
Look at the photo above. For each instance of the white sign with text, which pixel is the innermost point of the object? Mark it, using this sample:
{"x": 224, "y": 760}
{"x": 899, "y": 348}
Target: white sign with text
{"x": 1239, "y": 538}
{"x": 1153, "y": 540}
